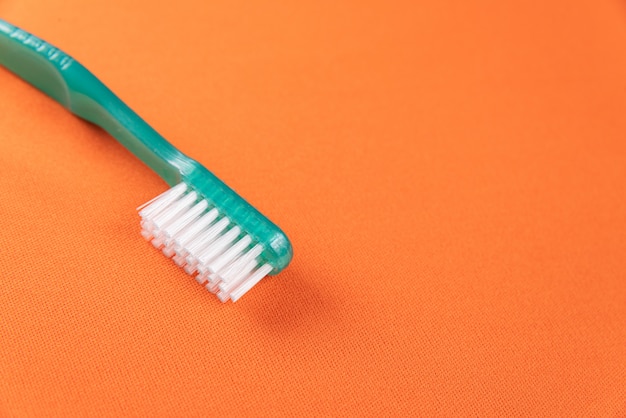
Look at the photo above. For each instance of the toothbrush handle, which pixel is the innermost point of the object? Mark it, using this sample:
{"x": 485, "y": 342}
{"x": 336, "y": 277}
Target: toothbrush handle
{"x": 76, "y": 88}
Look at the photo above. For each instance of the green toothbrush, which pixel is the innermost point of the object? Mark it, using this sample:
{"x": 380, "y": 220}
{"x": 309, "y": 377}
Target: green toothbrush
{"x": 200, "y": 222}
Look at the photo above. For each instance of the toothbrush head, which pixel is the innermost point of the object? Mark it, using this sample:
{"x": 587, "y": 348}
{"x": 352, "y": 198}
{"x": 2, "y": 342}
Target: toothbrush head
{"x": 225, "y": 243}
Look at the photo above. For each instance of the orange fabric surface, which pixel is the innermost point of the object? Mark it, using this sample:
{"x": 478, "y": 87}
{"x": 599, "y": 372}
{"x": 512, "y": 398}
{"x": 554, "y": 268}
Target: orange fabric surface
{"x": 452, "y": 176}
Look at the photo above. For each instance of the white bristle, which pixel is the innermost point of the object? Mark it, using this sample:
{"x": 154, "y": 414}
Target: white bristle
{"x": 233, "y": 270}
{"x": 146, "y": 234}
{"x": 189, "y": 216}
{"x": 173, "y": 210}
{"x": 199, "y": 243}
{"x": 189, "y": 234}
{"x": 201, "y": 278}
{"x": 204, "y": 240}
{"x": 230, "y": 254}
{"x": 193, "y": 229}
{"x": 250, "y": 281}
{"x": 212, "y": 288}
{"x": 218, "y": 246}
{"x": 239, "y": 277}
{"x": 189, "y": 229}
{"x": 159, "y": 202}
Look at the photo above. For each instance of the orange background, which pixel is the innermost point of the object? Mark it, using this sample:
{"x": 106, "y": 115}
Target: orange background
{"x": 452, "y": 176}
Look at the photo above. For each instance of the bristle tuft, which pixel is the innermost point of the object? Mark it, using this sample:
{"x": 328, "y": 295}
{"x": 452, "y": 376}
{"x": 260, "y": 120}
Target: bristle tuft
{"x": 205, "y": 243}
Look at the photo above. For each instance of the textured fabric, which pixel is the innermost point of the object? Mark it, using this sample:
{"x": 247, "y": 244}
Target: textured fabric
{"x": 452, "y": 175}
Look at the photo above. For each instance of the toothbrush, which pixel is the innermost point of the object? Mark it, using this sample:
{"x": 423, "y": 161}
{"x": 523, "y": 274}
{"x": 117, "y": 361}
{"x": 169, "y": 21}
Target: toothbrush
{"x": 202, "y": 224}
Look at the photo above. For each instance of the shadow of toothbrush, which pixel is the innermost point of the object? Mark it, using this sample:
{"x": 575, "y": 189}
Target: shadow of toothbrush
{"x": 291, "y": 302}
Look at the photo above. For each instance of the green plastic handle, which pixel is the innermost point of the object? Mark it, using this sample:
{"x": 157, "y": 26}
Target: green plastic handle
{"x": 77, "y": 89}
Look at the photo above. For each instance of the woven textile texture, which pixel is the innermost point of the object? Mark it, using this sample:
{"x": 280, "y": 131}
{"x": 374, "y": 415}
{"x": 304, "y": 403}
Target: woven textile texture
{"x": 452, "y": 176}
